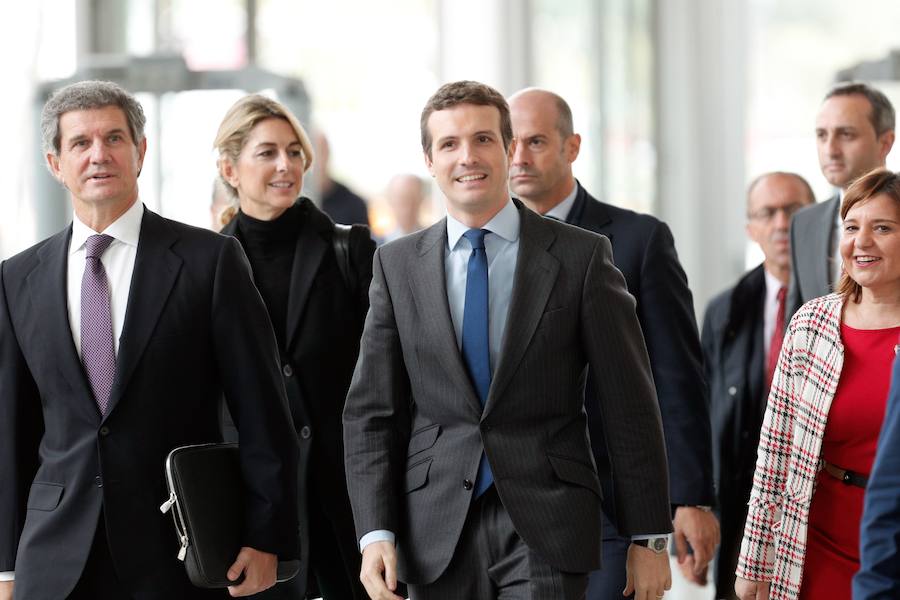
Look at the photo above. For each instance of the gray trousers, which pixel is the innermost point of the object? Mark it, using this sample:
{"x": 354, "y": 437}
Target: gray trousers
{"x": 491, "y": 561}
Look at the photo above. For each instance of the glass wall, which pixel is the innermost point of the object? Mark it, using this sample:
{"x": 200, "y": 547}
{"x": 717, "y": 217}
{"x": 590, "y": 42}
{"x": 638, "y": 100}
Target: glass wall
{"x": 599, "y": 57}
{"x": 796, "y": 50}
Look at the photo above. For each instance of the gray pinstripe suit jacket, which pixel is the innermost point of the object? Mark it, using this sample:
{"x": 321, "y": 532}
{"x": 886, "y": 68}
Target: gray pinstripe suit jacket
{"x": 414, "y": 429}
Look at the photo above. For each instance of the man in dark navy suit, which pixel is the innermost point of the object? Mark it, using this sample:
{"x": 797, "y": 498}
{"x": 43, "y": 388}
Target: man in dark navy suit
{"x": 879, "y": 560}
{"x": 643, "y": 249}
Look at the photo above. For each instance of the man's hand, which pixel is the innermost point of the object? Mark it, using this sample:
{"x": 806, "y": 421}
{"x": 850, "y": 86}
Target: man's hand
{"x": 700, "y": 529}
{"x": 6, "y": 590}
{"x": 647, "y": 573}
{"x": 687, "y": 571}
{"x": 259, "y": 569}
{"x": 751, "y": 590}
{"x": 378, "y": 573}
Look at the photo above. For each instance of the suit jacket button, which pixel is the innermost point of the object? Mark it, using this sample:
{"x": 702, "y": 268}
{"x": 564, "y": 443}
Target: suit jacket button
{"x": 467, "y": 484}
{"x": 732, "y": 391}
{"x": 99, "y": 481}
{"x": 288, "y": 370}
{"x": 104, "y": 431}
{"x": 305, "y": 432}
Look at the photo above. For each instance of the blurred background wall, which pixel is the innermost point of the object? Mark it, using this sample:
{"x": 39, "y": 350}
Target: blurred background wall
{"x": 680, "y": 102}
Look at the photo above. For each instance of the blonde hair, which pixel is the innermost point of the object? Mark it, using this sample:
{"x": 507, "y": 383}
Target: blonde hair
{"x": 239, "y": 121}
{"x": 874, "y": 183}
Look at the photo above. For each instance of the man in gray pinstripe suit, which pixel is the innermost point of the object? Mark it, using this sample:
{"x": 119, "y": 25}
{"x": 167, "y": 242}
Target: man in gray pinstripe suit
{"x": 468, "y": 460}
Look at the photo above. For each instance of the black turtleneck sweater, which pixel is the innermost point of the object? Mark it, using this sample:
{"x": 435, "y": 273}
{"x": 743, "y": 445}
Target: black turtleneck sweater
{"x": 270, "y": 246}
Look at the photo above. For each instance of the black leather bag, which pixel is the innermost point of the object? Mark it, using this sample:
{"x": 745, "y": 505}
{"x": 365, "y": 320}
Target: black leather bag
{"x": 206, "y": 495}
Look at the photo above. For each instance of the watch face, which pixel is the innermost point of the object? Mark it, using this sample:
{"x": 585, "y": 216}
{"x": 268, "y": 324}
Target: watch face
{"x": 659, "y": 544}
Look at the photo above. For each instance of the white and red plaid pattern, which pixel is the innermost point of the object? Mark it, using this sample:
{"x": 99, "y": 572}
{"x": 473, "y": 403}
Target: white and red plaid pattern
{"x": 97, "y": 351}
{"x": 790, "y": 446}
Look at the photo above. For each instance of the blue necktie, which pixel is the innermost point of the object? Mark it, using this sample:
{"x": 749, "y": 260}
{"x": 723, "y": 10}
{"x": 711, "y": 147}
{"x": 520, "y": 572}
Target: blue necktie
{"x": 475, "y": 340}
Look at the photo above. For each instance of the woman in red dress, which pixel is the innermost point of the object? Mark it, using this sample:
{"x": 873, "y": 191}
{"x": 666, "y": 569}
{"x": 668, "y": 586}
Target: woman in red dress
{"x": 824, "y": 413}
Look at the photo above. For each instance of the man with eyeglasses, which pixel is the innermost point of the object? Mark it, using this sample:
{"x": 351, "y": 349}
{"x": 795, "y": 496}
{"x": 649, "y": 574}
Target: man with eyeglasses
{"x": 741, "y": 338}
{"x": 854, "y": 134}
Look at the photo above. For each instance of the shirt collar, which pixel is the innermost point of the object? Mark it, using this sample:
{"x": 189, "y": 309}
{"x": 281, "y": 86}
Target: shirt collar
{"x": 561, "y": 211}
{"x": 773, "y": 284}
{"x": 505, "y": 224}
{"x": 126, "y": 229}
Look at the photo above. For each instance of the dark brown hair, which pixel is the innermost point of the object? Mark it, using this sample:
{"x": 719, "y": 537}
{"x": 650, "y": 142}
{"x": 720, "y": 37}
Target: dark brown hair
{"x": 465, "y": 92}
{"x": 882, "y": 114}
{"x": 874, "y": 183}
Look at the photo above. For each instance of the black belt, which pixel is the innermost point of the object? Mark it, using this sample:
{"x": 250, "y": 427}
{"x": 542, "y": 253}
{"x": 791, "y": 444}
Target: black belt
{"x": 848, "y": 477}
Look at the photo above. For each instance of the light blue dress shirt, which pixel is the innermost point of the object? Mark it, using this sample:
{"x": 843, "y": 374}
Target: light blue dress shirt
{"x": 501, "y": 246}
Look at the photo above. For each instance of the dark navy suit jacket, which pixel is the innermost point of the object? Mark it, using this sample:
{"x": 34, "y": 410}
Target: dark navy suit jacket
{"x": 879, "y": 573}
{"x": 644, "y": 251}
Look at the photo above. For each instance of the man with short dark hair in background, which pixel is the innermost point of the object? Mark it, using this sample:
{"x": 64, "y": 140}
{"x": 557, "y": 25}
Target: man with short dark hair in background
{"x": 644, "y": 251}
{"x": 118, "y": 338}
{"x": 742, "y": 333}
{"x": 854, "y": 134}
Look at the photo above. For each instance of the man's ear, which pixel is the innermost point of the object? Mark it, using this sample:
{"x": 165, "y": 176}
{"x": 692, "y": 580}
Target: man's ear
{"x": 886, "y": 141}
{"x": 142, "y": 151}
{"x": 573, "y": 147}
{"x": 429, "y": 163}
{"x": 53, "y": 163}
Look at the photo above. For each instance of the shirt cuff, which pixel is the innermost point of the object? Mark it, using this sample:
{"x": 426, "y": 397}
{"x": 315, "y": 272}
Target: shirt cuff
{"x": 7, "y": 575}
{"x": 379, "y": 535}
{"x": 649, "y": 536}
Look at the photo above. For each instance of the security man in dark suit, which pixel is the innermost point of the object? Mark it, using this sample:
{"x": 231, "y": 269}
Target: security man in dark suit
{"x": 643, "y": 249}
{"x": 118, "y": 338}
{"x": 742, "y": 333}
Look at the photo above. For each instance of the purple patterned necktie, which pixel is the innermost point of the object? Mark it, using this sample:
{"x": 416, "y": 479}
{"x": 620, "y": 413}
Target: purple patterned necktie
{"x": 97, "y": 351}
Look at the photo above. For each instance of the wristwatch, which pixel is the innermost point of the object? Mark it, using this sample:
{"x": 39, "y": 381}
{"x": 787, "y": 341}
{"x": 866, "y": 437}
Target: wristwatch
{"x": 657, "y": 544}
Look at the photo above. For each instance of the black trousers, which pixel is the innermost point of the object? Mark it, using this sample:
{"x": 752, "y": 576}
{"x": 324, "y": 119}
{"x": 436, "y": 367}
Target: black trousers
{"x": 492, "y": 561}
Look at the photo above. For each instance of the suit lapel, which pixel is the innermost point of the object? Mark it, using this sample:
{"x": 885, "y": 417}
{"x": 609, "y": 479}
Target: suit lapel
{"x": 156, "y": 268}
{"x": 590, "y": 214}
{"x": 536, "y": 271}
{"x": 308, "y": 256}
{"x": 429, "y": 287}
{"x": 825, "y": 230}
{"x": 49, "y": 296}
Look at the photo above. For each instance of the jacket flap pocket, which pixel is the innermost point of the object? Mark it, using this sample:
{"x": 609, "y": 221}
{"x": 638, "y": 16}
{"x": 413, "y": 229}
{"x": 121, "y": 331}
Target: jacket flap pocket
{"x": 417, "y": 475}
{"x": 44, "y": 496}
{"x": 423, "y": 439}
{"x": 573, "y": 471}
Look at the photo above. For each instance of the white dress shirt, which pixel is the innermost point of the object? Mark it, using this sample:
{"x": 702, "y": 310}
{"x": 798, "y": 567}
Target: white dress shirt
{"x": 561, "y": 211}
{"x": 118, "y": 261}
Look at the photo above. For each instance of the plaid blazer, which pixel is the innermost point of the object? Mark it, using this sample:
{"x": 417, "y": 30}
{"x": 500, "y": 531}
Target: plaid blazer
{"x": 790, "y": 446}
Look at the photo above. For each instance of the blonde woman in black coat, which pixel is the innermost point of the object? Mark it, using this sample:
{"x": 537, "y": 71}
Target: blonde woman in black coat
{"x": 316, "y": 290}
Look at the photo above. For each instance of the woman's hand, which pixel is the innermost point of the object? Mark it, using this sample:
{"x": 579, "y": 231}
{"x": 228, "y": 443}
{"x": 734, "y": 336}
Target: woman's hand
{"x": 747, "y": 589}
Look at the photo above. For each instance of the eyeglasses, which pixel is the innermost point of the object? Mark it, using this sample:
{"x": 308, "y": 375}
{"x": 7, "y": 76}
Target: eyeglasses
{"x": 767, "y": 213}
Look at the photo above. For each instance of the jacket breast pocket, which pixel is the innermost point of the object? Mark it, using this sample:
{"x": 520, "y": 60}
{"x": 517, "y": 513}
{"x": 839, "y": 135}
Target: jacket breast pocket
{"x": 44, "y": 496}
{"x": 417, "y": 475}
{"x": 423, "y": 439}
{"x": 573, "y": 471}
{"x": 553, "y": 317}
